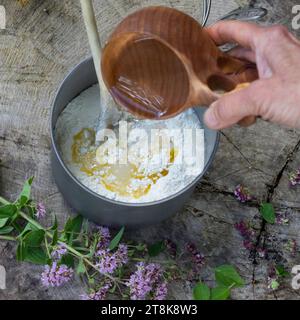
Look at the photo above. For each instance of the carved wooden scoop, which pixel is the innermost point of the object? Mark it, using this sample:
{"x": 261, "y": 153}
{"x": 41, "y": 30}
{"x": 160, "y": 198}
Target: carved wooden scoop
{"x": 160, "y": 61}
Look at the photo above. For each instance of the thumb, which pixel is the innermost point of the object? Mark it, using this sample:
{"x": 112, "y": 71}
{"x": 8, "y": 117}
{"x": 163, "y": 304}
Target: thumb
{"x": 230, "y": 109}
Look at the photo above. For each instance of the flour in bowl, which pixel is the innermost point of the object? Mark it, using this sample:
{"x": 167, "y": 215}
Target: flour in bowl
{"x": 139, "y": 161}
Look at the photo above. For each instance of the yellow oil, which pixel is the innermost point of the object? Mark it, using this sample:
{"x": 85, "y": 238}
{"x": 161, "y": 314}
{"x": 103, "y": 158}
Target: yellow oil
{"x": 116, "y": 178}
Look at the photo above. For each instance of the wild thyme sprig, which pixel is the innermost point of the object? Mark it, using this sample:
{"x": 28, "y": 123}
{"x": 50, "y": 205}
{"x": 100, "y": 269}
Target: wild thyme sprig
{"x": 102, "y": 262}
{"x": 105, "y": 264}
{"x": 49, "y": 235}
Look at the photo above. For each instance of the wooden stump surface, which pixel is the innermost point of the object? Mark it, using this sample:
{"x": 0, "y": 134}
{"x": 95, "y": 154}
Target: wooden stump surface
{"x": 42, "y": 42}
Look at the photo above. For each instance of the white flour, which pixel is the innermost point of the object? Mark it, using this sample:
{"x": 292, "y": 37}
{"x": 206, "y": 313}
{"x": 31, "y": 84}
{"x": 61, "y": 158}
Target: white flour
{"x": 145, "y": 178}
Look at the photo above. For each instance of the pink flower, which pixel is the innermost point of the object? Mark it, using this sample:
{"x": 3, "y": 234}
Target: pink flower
{"x": 197, "y": 257}
{"x": 244, "y": 230}
{"x": 249, "y": 245}
{"x": 59, "y": 252}
{"x": 171, "y": 247}
{"x": 147, "y": 282}
{"x": 55, "y": 275}
{"x": 40, "y": 211}
{"x": 291, "y": 246}
{"x": 262, "y": 252}
{"x": 98, "y": 295}
{"x": 242, "y": 194}
{"x": 104, "y": 238}
{"x": 295, "y": 178}
{"x": 282, "y": 218}
{"x": 161, "y": 291}
{"x": 247, "y": 234}
{"x": 109, "y": 261}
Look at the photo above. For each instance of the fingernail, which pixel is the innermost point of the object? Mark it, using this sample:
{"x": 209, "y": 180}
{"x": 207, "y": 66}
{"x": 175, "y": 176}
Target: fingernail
{"x": 210, "y": 118}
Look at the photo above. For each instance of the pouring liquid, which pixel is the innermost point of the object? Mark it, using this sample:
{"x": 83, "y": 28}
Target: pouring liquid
{"x": 141, "y": 83}
{"x": 144, "y": 79}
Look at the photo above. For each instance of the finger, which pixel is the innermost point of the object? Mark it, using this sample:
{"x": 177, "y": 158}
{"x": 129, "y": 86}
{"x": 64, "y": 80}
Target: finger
{"x": 248, "y": 121}
{"x": 231, "y": 109}
{"x": 294, "y": 39}
{"x": 243, "y": 53}
{"x": 239, "y": 32}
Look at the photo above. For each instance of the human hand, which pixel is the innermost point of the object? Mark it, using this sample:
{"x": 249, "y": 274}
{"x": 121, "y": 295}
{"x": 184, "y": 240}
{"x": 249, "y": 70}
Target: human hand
{"x": 276, "y": 95}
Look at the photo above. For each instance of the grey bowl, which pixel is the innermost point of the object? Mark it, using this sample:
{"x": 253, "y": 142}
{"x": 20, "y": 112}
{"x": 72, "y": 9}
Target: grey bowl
{"x": 93, "y": 206}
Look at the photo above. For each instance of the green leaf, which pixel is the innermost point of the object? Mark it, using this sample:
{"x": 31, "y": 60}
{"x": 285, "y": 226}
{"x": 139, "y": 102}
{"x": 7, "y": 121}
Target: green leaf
{"x": 141, "y": 247}
{"x": 3, "y": 222}
{"x": 85, "y": 231}
{"x": 120, "y": 272}
{"x": 93, "y": 248}
{"x": 156, "y": 248}
{"x": 116, "y": 240}
{"x": 55, "y": 238}
{"x": 268, "y": 213}
{"x": 220, "y": 293}
{"x": 274, "y": 284}
{"x": 25, "y": 194}
{"x": 28, "y": 227}
{"x": 201, "y": 291}
{"x": 74, "y": 224}
{"x": 85, "y": 225}
{"x": 6, "y": 230}
{"x": 20, "y": 251}
{"x": 35, "y": 255}
{"x": 281, "y": 272}
{"x": 34, "y": 238}
{"x": 55, "y": 224}
{"x": 54, "y": 228}
{"x": 73, "y": 227}
{"x": 7, "y": 211}
{"x": 29, "y": 209}
{"x": 227, "y": 276}
{"x": 81, "y": 267}
{"x": 113, "y": 289}
{"x": 68, "y": 260}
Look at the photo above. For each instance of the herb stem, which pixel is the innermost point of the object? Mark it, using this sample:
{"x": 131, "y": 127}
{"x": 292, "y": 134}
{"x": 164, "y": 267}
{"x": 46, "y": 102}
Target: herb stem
{"x": 47, "y": 248}
{"x": 3, "y": 201}
{"x": 154, "y": 261}
{"x": 48, "y": 234}
{"x": 8, "y": 238}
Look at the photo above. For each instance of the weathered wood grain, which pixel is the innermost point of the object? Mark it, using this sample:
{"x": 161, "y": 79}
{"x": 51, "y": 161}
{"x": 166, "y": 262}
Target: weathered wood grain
{"x": 43, "y": 41}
